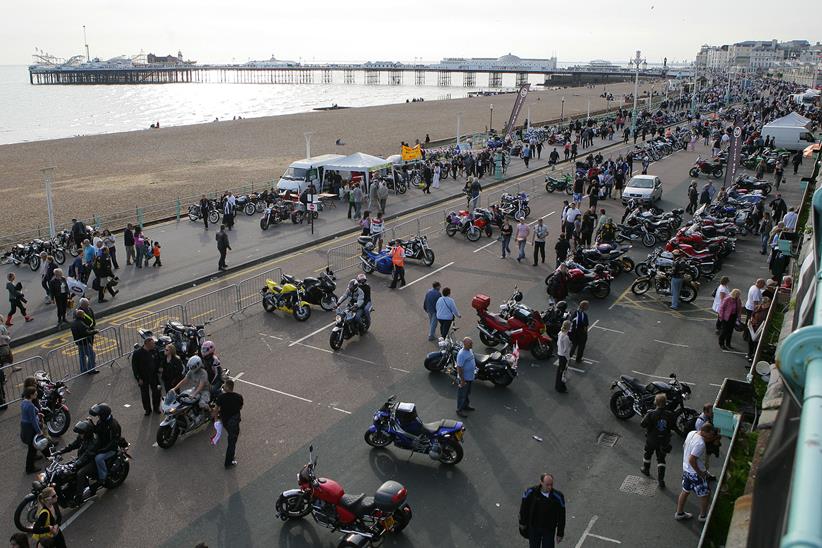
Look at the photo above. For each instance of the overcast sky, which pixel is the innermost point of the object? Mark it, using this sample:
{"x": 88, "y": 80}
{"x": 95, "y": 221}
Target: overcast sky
{"x": 358, "y": 30}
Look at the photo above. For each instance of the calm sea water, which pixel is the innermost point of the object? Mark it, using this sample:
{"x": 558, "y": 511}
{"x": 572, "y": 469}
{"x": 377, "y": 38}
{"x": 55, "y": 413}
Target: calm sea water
{"x": 30, "y": 113}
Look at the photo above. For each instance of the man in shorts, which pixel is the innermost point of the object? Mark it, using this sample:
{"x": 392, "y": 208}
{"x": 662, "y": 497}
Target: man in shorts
{"x": 695, "y": 472}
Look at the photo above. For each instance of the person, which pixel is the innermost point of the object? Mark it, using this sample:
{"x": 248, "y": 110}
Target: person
{"x": 729, "y": 311}
{"x": 778, "y": 173}
{"x": 356, "y": 198}
{"x": 693, "y": 198}
{"x": 790, "y": 219}
{"x": 589, "y": 219}
{"x": 754, "y": 297}
{"x": 570, "y": 217}
{"x": 356, "y": 298}
{"x": 59, "y": 289}
{"x": 205, "y": 208}
{"x": 139, "y": 247}
{"x": 228, "y": 406}
{"x": 657, "y": 425}
{"x": 84, "y": 467}
{"x": 797, "y": 161}
{"x": 155, "y": 251}
{"x": 474, "y": 192}
{"x": 29, "y": 426}
{"x": 83, "y": 336}
{"x": 755, "y": 325}
{"x": 228, "y": 212}
{"x": 677, "y": 273}
{"x": 128, "y": 243}
{"x": 212, "y": 366}
{"x": 109, "y": 436}
{"x": 540, "y": 233}
{"x": 563, "y": 354}
{"x": 707, "y": 416}
{"x": 365, "y": 223}
{"x": 522, "y": 238}
{"x": 382, "y": 195}
{"x": 110, "y": 242}
{"x": 19, "y": 540}
{"x": 170, "y": 367}
{"x": 607, "y": 232}
{"x": 553, "y": 157}
{"x": 695, "y": 473}
{"x": 506, "y": 231}
{"x": 466, "y": 368}
{"x": 579, "y": 330}
{"x": 197, "y": 378}
{"x": 562, "y": 247}
{"x": 765, "y": 227}
{"x": 144, "y": 368}
{"x": 720, "y": 293}
{"x": 398, "y": 261}
{"x": 16, "y": 299}
{"x": 78, "y": 232}
{"x": 376, "y": 229}
{"x": 367, "y": 306}
{"x": 435, "y": 182}
{"x": 778, "y": 208}
{"x": 373, "y": 201}
{"x": 48, "y": 519}
{"x": 446, "y": 311}
{"x": 103, "y": 276}
{"x": 223, "y": 246}
{"x": 47, "y": 266}
{"x": 542, "y": 514}
{"x": 430, "y": 307}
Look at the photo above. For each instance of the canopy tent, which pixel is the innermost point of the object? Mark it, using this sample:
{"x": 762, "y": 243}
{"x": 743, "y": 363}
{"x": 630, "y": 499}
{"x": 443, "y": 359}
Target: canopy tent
{"x": 791, "y": 120}
{"x": 359, "y": 162}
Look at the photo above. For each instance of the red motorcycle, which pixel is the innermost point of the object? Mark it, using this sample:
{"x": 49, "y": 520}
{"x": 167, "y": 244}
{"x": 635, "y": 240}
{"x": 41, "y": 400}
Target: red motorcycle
{"x": 363, "y": 519}
{"x": 692, "y": 253}
{"x": 720, "y": 245}
{"x": 524, "y": 328}
{"x": 704, "y": 166}
{"x": 481, "y": 218}
{"x": 597, "y": 281}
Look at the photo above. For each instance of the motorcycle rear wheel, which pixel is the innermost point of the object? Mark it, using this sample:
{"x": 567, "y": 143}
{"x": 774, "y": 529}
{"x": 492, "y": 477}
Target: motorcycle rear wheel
{"x": 488, "y": 341}
{"x": 569, "y": 190}
{"x": 118, "y": 476}
{"x": 167, "y": 435}
{"x": 34, "y": 263}
{"x": 27, "y": 509}
{"x": 503, "y": 379}
{"x": 685, "y": 420}
{"x": 717, "y": 173}
{"x": 294, "y": 506}
{"x": 641, "y": 269}
{"x": 434, "y": 365}
{"x": 73, "y": 249}
{"x": 250, "y": 209}
{"x": 428, "y": 259}
{"x": 451, "y": 230}
{"x": 336, "y": 340}
{"x": 301, "y": 312}
{"x": 59, "y": 423}
{"x": 402, "y": 517}
{"x": 640, "y": 286}
{"x": 59, "y": 256}
{"x": 377, "y": 439}
{"x": 489, "y": 231}
{"x": 401, "y": 188}
{"x": 452, "y": 452}
{"x": 618, "y": 407}
{"x": 213, "y": 217}
{"x": 627, "y": 264}
{"x": 268, "y": 304}
{"x": 540, "y": 352}
{"x": 687, "y": 294}
{"x": 601, "y": 290}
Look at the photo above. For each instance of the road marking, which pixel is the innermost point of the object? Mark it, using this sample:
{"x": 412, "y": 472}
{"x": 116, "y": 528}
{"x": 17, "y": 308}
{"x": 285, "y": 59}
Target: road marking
{"x": 714, "y": 384}
{"x": 320, "y": 330}
{"x": 671, "y": 344}
{"x": 76, "y": 515}
{"x": 486, "y": 245}
{"x": 398, "y": 369}
{"x": 734, "y": 352}
{"x": 608, "y": 329}
{"x": 575, "y": 369}
{"x": 203, "y": 314}
{"x": 276, "y": 391}
{"x": 606, "y": 539}
{"x": 587, "y": 530}
{"x": 658, "y": 377}
{"x": 238, "y": 375}
{"x": 271, "y": 336}
{"x": 409, "y": 284}
{"x": 620, "y": 297}
{"x": 593, "y": 325}
{"x": 341, "y": 410}
{"x": 327, "y": 351}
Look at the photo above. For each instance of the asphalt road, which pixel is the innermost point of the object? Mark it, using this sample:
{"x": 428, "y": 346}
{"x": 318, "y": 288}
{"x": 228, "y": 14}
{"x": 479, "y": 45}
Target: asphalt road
{"x": 298, "y": 392}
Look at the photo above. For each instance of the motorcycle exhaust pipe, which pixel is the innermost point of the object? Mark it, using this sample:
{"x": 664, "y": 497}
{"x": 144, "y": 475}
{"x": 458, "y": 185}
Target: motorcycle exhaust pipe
{"x": 356, "y": 539}
{"x": 485, "y": 331}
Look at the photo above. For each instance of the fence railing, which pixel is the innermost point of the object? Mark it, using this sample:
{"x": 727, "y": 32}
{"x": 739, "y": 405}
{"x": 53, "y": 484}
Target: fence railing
{"x": 151, "y": 321}
{"x": 248, "y": 290}
{"x": 12, "y": 376}
{"x": 73, "y": 359}
{"x": 212, "y": 306}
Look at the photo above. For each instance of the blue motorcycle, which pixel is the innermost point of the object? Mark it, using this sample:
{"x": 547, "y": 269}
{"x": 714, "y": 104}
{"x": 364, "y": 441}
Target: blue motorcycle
{"x": 399, "y": 424}
{"x": 373, "y": 260}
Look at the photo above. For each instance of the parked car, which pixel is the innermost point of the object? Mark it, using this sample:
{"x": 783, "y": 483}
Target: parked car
{"x": 646, "y": 189}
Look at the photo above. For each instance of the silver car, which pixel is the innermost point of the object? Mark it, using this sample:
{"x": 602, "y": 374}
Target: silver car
{"x": 645, "y": 189}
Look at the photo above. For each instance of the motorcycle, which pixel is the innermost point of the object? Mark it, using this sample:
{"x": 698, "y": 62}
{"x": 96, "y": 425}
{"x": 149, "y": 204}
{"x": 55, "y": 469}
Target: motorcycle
{"x": 515, "y": 206}
{"x": 286, "y": 298}
{"x": 52, "y": 395}
{"x": 62, "y": 476}
{"x": 187, "y": 339}
{"x": 704, "y": 166}
{"x": 615, "y": 260}
{"x": 565, "y": 184}
{"x": 752, "y": 183}
{"x": 633, "y": 398}
{"x": 318, "y": 291}
{"x": 498, "y": 367}
{"x": 371, "y": 260}
{"x": 638, "y": 232}
{"x": 362, "y": 519}
{"x": 399, "y": 424}
{"x": 195, "y": 213}
{"x": 346, "y": 326}
{"x": 663, "y": 260}
{"x": 272, "y": 215}
{"x": 51, "y": 247}
{"x": 22, "y": 254}
{"x": 64, "y": 240}
{"x": 597, "y": 282}
{"x": 661, "y": 282}
{"x": 464, "y": 224}
{"x": 416, "y": 248}
{"x": 182, "y": 413}
{"x": 516, "y": 325}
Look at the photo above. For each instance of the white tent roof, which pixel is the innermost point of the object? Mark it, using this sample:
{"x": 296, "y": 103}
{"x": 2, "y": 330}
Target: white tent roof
{"x": 359, "y": 162}
{"x": 790, "y": 120}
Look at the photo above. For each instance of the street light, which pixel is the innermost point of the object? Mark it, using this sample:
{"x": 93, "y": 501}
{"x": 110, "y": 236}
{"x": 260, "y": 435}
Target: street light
{"x": 562, "y": 112}
{"x": 459, "y": 127}
{"x": 636, "y": 61}
{"x": 491, "y": 121}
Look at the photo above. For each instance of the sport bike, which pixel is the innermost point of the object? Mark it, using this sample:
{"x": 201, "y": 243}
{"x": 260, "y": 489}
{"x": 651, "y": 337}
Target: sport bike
{"x": 346, "y": 326}
{"x": 318, "y": 291}
{"x": 633, "y": 398}
{"x": 286, "y": 298}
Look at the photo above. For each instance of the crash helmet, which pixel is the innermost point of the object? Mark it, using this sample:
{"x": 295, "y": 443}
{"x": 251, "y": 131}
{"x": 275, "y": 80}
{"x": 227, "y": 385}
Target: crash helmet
{"x": 195, "y": 363}
{"x": 352, "y": 283}
{"x": 361, "y": 279}
{"x": 562, "y": 306}
{"x": 40, "y": 442}
{"x": 518, "y": 296}
{"x": 84, "y": 428}
{"x": 207, "y": 349}
{"x": 101, "y": 411}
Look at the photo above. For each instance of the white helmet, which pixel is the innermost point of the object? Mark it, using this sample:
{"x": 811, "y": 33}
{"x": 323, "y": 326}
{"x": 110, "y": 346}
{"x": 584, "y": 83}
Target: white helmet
{"x": 41, "y": 442}
{"x": 195, "y": 363}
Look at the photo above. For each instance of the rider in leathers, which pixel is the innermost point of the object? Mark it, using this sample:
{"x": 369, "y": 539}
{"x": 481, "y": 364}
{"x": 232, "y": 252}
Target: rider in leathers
{"x": 108, "y": 433}
{"x": 84, "y": 463}
{"x": 362, "y": 282}
{"x": 657, "y": 425}
{"x": 356, "y": 297}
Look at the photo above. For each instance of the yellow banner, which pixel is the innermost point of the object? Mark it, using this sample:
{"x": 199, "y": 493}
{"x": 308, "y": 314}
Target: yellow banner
{"x": 411, "y": 153}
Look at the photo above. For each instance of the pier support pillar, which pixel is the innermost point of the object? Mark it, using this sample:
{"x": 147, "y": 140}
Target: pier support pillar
{"x": 495, "y": 80}
{"x": 327, "y": 79}
{"x": 522, "y": 78}
{"x": 469, "y": 79}
{"x": 348, "y": 76}
{"x": 372, "y": 77}
{"x": 444, "y": 78}
{"x": 396, "y": 78}
{"x": 419, "y": 77}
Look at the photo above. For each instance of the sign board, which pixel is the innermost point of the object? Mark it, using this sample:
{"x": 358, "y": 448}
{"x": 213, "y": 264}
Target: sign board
{"x": 311, "y": 207}
{"x": 411, "y": 153}
{"x": 521, "y": 95}
{"x": 733, "y": 156}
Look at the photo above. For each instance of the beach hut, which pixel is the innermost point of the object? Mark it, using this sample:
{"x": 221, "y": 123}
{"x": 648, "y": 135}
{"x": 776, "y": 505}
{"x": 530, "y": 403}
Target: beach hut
{"x": 360, "y": 163}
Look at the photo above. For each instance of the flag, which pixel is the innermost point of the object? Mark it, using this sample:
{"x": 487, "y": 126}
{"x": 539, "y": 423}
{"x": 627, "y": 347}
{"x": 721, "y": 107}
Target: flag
{"x": 411, "y": 153}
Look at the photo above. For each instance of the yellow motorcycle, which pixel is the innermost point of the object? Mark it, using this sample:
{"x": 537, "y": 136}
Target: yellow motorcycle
{"x": 287, "y": 298}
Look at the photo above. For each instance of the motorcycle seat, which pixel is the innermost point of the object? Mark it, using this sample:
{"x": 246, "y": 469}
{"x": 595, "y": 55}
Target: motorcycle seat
{"x": 359, "y": 505}
{"x": 483, "y": 359}
{"x": 633, "y": 383}
{"x": 310, "y": 281}
{"x": 432, "y": 427}
{"x": 177, "y": 326}
{"x": 288, "y": 278}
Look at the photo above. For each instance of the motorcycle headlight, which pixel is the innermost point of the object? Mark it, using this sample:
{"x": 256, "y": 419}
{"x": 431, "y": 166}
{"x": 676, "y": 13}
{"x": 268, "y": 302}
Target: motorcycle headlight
{"x": 442, "y": 343}
{"x": 686, "y": 395}
{"x": 201, "y": 333}
{"x": 61, "y": 391}
{"x": 41, "y": 477}
{"x": 339, "y": 318}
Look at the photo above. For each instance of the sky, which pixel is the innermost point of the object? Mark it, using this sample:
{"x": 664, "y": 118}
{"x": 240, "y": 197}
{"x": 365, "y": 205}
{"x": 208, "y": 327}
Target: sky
{"x": 219, "y": 31}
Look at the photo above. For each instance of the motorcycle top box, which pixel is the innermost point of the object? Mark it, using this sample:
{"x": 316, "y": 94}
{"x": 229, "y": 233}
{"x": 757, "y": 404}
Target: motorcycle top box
{"x": 480, "y": 302}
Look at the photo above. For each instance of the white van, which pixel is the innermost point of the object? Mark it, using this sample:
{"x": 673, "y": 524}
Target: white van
{"x": 790, "y": 138}
{"x": 301, "y": 172}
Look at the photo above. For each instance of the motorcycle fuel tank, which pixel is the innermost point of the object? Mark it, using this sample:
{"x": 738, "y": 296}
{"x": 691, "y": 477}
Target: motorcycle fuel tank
{"x": 330, "y": 491}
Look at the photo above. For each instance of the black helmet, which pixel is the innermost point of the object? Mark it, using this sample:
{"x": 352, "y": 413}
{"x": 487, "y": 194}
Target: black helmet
{"x": 518, "y": 296}
{"x": 83, "y": 428}
{"x": 562, "y": 305}
{"x": 101, "y": 410}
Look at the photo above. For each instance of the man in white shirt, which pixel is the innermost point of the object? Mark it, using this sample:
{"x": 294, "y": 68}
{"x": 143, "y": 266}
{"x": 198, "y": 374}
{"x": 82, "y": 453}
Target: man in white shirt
{"x": 790, "y": 219}
{"x": 695, "y": 472}
{"x": 754, "y": 298}
{"x": 570, "y": 216}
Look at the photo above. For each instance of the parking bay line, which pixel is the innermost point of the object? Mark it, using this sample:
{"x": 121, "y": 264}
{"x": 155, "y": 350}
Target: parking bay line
{"x": 320, "y": 330}
{"x": 76, "y": 515}
{"x": 409, "y": 284}
{"x": 659, "y": 377}
{"x": 327, "y": 351}
{"x": 587, "y": 533}
{"x": 275, "y": 391}
{"x": 672, "y": 344}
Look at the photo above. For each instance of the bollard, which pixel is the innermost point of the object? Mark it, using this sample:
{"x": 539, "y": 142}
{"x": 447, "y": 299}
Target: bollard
{"x": 97, "y": 223}
{"x": 178, "y": 208}
{"x": 140, "y": 217}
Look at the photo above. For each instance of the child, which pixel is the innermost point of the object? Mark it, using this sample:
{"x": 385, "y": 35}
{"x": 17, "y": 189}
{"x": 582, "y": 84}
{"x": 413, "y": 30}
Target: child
{"x": 147, "y": 250}
{"x": 156, "y": 253}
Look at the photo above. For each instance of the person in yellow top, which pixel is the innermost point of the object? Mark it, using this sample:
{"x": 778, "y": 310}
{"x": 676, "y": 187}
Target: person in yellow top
{"x": 47, "y": 524}
{"x": 398, "y": 260}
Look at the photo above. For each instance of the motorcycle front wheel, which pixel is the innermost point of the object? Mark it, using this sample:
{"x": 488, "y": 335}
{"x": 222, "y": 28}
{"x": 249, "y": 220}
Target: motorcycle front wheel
{"x": 401, "y": 188}
{"x": 488, "y": 341}
{"x": 26, "y": 514}
{"x": 213, "y": 217}
{"x": 328, "y": 302}
{"x": 433, "y": 364}
{"x": 59, "y": 423}
{"x": 601, "y": 290}
{"x": 504, "y": 379}
{"x": 540, "y": 352}
{"x": 73, "y": 249}
{"x": 302, "y": 312}
{"x": 167, "y": 435}
{"x": 640, "y": 286}
{"x": 250, "y": 209}
{"x": 648, "y": 239}
{"x": 549, "y": 187}
{"x": 428, "y": 259}
{"x": 687, "y": 294}
{"x": 117, "y": 475}
{"x": 621, "y": 406}
{"x": 627, "y": 264}
{"x": 294, "y": 506}
{"x": 641, "y": 270}
{"x": 34, "y": 263}
{"x": 717, "y": 173}
{"x": 473, "y": 234}
{"x": 367, "y": 267}
{"x": 377, "y": 439}
{"x": 59, "y": 256}
{"x": 489, "y": 231}
{"x": 264, "y": 223}
{"x": 452, "y": 452}
{"x": 336, "y": 340}
{"x": 694, "y": 172}
{"x": 685, "y": 420}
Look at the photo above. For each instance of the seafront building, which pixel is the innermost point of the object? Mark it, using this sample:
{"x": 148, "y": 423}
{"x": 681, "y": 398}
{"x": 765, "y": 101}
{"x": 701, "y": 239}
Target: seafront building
{"x": 794, "y": 61}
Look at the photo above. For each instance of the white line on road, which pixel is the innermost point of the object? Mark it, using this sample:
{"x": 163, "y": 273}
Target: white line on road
{"x": 341, "y": 410}
{"x": 477, "y": 250}
{"x": 271, "y": 336}
{"x": 577, "y": 370}
{"x": 714, "y": 384}
{"x": 587, "y": 530}
{"x": 76, "y": 515}
{"x": 238, "y": 375}
{"x": 276, "y": 391}
{"x": 593, "y": 325}
{"x": 671, "y": 344}
{"x": 409, "y": 284}
{"x": 327, "y": 351}
{"x": 734, "y": 352}
{"x": 659, "y": 377}
{"x": 606, "y": 539}
{"x": 609, "y": 329}
{"x": 320, "y": 330}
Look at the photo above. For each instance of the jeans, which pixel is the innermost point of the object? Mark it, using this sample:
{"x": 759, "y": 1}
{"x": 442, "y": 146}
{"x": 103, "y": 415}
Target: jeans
{"x": 463, "y": 396}
{"x": 140, "y": 254}
{"x": 541, "y": 538}
{"x": 445, "y": 327}
{"x": 505, "y": 248}
{"x": 521, "y": 244}
{"x": 473, "y": 203}
{"x": 764, "y": 240}
{"x": 676, "y": 287}
{"x": 100, "y": 461}
{"x": 87, "y": 356}
{"x": 432, "y": 325}
{"x": 539, "y": 249}
{"x": 129, "y": 254}
{"x": 232, "y": 428}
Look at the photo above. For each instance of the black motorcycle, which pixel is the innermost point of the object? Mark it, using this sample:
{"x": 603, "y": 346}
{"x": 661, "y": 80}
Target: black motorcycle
{"x": 752, "y": 183}
{"x": 195, "y": 213}
{"x": 51, "y": 247}
{"x": 515, "y": 205}
{"x": 51, "y": 395}
{"x": 62, "y": 476}
{"x": 639, "y": 233}
{"x": 614, "y": 258}
{"x": 64, "y": 240}
{"x": 634, "y": 398}
{"x": 319, "y": 291}
{"x": 499, "y": 368}
{"x": 416, "y": 248}
{"x": 187, "y": 339}
{"x": 346, "y": 326}
{"x": 22, "y": 254}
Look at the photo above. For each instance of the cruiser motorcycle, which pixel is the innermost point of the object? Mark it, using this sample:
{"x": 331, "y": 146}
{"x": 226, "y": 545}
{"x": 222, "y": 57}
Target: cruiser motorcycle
{"x": 364, "y": 520}
{"x": 416, "y": 248}
{"x": 499, "y": 368}
{"x": 661, "y": 282}
{"x": 346, "y": 326}
{"x": 52, "y": 394}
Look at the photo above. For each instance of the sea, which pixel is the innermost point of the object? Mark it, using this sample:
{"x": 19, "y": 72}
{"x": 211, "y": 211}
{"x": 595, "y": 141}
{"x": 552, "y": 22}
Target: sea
{"x": 33, "y": 113}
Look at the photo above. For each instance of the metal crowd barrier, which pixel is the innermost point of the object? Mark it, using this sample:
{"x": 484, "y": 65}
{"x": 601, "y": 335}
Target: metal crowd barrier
{"x": 248, "y": 290}
{"x": 431, "y": 223}
{"x": 153, "y": 321}
{"x": 212, "y": 306}
{"x": 64, "y": 361}
{"x": 12, "y": 376}
{"x": 343, "y": 257}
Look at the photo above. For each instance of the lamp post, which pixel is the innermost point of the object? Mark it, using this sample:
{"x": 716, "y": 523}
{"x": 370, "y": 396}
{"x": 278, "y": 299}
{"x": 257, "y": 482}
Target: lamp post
{"x": 588, "y": 116}
{"x": 48, "y": 179}
{"x": 307, "y": 136}
{"x": 636, "y": 62}
{"x": 459, "y": 128}
{"x": 491, "y": 121}
{"x": 562, "y": 111}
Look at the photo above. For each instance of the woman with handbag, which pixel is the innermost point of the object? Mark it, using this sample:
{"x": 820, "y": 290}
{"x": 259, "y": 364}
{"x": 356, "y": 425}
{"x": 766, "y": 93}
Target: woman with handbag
{"x": 729, "y": 312}
{"x": 756, "y": 324}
